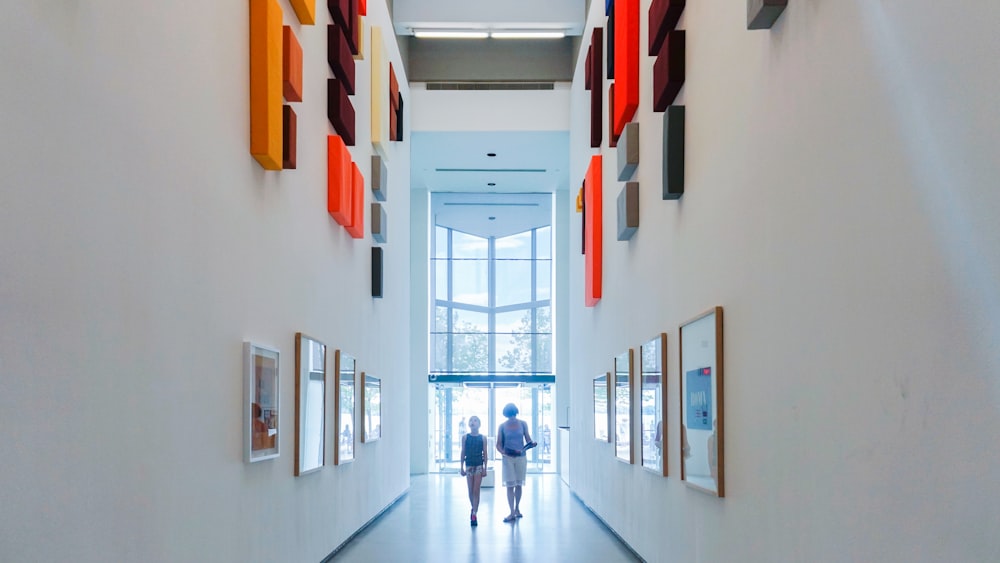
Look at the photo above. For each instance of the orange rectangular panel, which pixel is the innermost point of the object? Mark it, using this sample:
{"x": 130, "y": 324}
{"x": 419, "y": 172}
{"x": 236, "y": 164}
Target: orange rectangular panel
{"x": 265, "y": 83}
{"x": 357, "y": 227}
{"x": 593, "y": 231}
{"x": 626, "y": 62}
{"x": 305, "y": 10}
{"x": 339, "y": 182}
{"x": 363, "y": 7}
{"x": 291, "y": 65}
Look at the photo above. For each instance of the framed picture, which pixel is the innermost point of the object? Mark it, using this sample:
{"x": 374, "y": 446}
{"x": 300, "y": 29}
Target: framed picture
{"x": 260, "y": 392}
{"x": 310, "y": 404}
{"x": 624, "y": 382}
{"x": 702, "y": 457}
{"x": 371, "y": 398}
{"x": 344, "y": 372}
{"x": 602, "y": 415}
{"x": 653, "y": 403}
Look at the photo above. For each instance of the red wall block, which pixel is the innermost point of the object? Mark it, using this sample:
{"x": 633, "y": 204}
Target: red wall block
{"x": 339, "y": 182}
{"x": 357, "y": 227}
{"x": 626, "y": 62}
{"x": 668, "y": 70}
{"x": 593, "y": 231}
{"x": 288, "y": 145}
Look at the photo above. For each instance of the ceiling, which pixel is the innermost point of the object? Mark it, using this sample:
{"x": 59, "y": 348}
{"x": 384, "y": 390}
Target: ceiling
{"x": 568, "y": 16}
{"x": 491, "y": 215}
{"x": 535, "y": 163}
{"x": 524, "y": 161}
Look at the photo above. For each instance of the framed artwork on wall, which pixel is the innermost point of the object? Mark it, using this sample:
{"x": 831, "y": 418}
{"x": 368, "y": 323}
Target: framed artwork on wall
{"x": 624, "y": 382}
{"x": 653, "y": 403}
{"x": 602, "y": 415}
{"x": 701, "y": 412}
{"x": 344, "y": 372}
{"x": 310, "y": 404}
{"x": 371, "y": 398}
{"x": 260, "y": 392}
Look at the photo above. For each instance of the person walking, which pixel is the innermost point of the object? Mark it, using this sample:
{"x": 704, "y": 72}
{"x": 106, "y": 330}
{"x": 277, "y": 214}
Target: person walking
{"x": 513, "y": 439}
{"x": 473, "y": 464}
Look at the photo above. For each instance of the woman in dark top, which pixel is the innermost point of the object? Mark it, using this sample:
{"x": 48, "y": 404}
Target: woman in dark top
{"x": 512, "y": 441}
{"x": 473, "y": 460}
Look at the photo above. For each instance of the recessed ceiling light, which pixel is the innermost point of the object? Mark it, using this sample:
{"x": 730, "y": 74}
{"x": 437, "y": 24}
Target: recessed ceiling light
{"x": 491, "y": 184}
{"x": 492, "y": 218}
{"x": 528, "y": 34}
{"x": 446, "y": 34}
{"x": 491, "y": 154}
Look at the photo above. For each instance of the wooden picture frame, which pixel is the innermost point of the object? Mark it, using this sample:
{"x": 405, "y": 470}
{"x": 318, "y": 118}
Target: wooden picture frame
{"x": 310, "y": 404}
{"x": 653, "y": 404}
{"x": 701, "y": 412}
{"x": 624, "y": 405}
{"x": 344, "y": 371}
{"x": 602, "y": 414}
{"x": 261, "y": 385}
{"x": 371, "y": 398}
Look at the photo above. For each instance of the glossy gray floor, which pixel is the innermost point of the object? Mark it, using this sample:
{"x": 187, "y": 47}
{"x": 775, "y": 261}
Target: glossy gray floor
{"x": 431, "y": 523}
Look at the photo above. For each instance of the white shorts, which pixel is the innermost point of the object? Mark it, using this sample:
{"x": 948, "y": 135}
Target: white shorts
{"x": 514, "y": 470}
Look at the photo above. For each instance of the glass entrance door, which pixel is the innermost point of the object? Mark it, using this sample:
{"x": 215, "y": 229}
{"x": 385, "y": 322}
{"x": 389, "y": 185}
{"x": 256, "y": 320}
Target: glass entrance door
{"x": 453, "y": 404}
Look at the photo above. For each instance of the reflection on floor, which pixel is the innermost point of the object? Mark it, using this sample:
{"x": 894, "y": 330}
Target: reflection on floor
{"x": 431, "y": 523}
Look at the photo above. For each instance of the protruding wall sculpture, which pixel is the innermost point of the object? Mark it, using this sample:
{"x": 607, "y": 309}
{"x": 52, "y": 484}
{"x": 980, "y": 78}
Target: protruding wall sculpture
{"x": 628, "y": 210}
{"x": 761, "y": 14}
{"x": 628, "y": 152}
{"x": 668, "y": 70}
{"x": 673, "y": 152}
{"x": 265, "y": 83}
{"x": 626, "y": 62}
{"x": 592, "y": 224}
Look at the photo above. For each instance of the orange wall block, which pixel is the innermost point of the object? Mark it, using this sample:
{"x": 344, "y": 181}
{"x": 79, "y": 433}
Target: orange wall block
{"x": 291, "y": 65}
{"x": 305, "y": 10}
{"x": 357, "y": 227}
{"x": 593, "y": 231}
{"x": 265, "y": 83}
{"x": 339, "y": 180}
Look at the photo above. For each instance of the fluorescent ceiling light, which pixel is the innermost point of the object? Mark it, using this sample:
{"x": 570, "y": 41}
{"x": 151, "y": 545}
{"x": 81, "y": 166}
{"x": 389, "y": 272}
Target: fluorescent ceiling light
{"x": 528, "y": 34}
{"x": 442, "y": 34}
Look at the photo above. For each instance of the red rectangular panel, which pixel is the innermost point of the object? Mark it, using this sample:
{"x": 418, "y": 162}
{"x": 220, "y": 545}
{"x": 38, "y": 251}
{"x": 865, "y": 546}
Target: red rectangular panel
{"x": 626, "y": 62}
{"x": 668, "y": 71}
{"x": 362, "y": 7}
{"x": 339, "y": 182}
{"x": 612, "y": 136}
{"x": 288, "y": 146}
{"x": 357, "y": 227}
{"x": 291, "y": 67}
{"x": 595, "y": 58}
{"x": 340, "y": 11}
{"x": 663, "y": 16}
{"x": 393, "y": 123}
{"x": 592, "y": 225}
{"x": 340, "y": 111}
{"x": 393, "y": 88}
{"x": 339, "y": 57}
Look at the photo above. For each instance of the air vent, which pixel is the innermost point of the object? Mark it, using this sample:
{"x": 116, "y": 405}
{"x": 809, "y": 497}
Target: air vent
{"x": 491, "y": 85}
{"x": 534, "y": 170}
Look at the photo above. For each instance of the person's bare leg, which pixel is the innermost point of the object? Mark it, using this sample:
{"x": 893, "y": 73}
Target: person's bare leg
{"x": 477, "y": 482}
{"x": 469, "y": 480}
{"x": 517, "y": 501}
{"x": 510, "y": 502}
